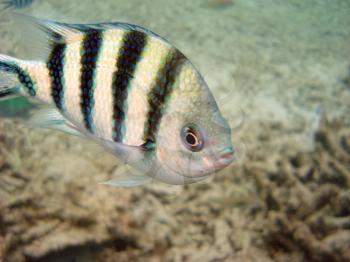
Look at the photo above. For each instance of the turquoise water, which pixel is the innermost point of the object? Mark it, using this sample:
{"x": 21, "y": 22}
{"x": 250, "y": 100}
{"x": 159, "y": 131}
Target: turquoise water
{"x": 279, "y": 71}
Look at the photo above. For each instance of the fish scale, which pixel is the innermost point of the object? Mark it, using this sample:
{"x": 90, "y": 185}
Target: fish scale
{"x": 130, "y": 53}
{"x": 23, "y": 77}
{"x": 161, "y": 90}
{"x": 55, "y": 66}
{"x": 90, "y": 49}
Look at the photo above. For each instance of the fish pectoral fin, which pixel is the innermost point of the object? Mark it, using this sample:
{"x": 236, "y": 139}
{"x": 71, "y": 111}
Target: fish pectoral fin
{"x": 126, "y": 177}
{"x": 50, "y": 118}
{"x": 132, "y": 155}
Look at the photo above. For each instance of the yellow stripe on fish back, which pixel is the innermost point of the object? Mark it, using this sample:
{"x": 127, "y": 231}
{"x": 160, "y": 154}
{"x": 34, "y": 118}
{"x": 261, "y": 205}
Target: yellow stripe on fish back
{"x": 72, "y": 75}
{"x": 106, "y": 66}
{"x": 145, "y": 77}
{"x": 40, "y": 75}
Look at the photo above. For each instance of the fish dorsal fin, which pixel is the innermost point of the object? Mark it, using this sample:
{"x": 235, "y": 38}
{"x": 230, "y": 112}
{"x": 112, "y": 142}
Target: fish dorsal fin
{"x": 40, "y": 35}
{"x": 55, "y": 30}
{"x": 58, "y": 32}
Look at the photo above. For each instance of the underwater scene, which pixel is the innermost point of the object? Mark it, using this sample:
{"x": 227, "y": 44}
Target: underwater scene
{"x": 172, "y": 130}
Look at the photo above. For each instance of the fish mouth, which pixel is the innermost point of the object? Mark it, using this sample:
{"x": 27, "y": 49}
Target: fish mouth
{"x": 225, "y": 158}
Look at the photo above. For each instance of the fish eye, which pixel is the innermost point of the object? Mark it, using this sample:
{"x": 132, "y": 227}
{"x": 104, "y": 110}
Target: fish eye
{"x": 192, "y": 138}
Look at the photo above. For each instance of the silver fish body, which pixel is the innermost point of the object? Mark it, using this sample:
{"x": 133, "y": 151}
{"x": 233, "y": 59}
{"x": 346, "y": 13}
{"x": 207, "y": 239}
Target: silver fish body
{"x": 132, "y": 92}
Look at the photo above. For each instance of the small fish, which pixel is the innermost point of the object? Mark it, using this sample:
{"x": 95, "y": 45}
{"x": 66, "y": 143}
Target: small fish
{"x": 129, "y": 90}
{"x": 16, "y": 4}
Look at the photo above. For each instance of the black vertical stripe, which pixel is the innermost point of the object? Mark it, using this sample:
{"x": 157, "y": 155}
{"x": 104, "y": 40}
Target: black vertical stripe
{"x": 134, "y": 43}
{"x": 22, "y": 76}
{"x": 90, "y": 50}
{"x": 160, "y": 93}
{"x": 55, "y": 65}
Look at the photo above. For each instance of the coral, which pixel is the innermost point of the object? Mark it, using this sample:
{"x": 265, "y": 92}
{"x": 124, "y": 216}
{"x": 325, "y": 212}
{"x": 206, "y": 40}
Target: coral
{"x": 52, "y": 204}
{"x": 307, "y": 199}
{"x": 285, "y": 206}
{"x": 2, "y": 248}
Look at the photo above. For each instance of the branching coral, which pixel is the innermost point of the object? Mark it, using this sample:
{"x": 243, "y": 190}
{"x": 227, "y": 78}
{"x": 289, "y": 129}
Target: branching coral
{"x": 307, "y": 199}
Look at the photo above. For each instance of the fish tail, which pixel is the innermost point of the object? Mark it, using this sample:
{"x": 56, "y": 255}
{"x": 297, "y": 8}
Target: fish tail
{"x": 9, "y": 79}
{"x": 14, "y": 81}
{"x": 14, "y": 87}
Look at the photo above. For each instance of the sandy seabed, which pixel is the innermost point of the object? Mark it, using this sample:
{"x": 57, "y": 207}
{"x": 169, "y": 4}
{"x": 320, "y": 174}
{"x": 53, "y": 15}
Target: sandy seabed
{"x": 285, "y": 64}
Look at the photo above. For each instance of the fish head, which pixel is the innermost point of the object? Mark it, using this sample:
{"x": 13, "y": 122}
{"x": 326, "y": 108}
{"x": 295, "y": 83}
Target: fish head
{"x": 194, "y": 139}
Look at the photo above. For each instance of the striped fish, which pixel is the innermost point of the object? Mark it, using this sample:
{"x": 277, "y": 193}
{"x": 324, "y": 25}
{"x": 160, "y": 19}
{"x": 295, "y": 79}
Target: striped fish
{"x": 129, "y": 90}
{"x": 16, "y": 4}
